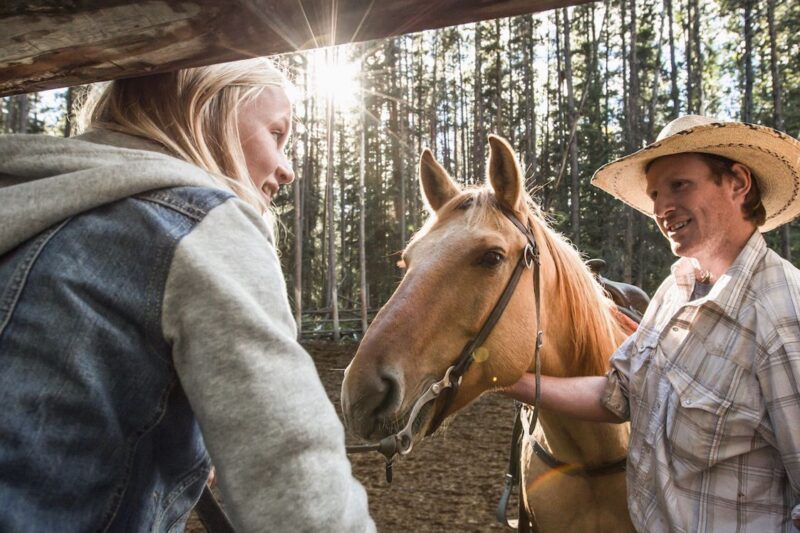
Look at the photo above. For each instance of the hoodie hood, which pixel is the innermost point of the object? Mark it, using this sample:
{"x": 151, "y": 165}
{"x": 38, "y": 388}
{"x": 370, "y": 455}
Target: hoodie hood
{"x": 44, "y": 180}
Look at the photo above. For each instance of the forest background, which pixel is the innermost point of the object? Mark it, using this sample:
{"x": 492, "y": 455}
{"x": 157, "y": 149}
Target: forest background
{"x": 571, "y": 89}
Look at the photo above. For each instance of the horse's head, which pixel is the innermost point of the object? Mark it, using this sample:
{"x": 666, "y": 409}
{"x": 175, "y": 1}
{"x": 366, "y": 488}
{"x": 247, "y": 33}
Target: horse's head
{"x": 456, "y": 268}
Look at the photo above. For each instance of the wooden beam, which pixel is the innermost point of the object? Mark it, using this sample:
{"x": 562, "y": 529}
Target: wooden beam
{"x": 46, "y": 44}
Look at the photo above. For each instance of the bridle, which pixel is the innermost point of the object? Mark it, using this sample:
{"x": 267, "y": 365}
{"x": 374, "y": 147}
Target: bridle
{"x": 401, "y": 442}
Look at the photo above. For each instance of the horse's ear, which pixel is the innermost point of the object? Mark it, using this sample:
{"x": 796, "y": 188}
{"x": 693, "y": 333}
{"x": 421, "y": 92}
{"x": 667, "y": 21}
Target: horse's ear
{"x": 505, "y": 175}
{"x": 437, "y": 185}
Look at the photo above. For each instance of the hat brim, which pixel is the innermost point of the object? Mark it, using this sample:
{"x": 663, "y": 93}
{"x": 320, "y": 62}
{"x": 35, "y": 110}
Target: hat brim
{"x": 773, "y": 158}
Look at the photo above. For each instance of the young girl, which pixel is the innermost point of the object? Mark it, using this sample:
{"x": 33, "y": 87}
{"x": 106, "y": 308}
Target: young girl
{"x": 144, "y": 322}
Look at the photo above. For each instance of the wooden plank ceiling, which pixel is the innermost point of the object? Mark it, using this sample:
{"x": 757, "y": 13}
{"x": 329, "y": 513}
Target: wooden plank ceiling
{"x": 46, "y": 44}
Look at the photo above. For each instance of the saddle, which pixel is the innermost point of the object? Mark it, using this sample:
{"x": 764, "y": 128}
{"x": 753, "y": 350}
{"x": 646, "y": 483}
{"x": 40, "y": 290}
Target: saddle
{"x": 630, "y": 299}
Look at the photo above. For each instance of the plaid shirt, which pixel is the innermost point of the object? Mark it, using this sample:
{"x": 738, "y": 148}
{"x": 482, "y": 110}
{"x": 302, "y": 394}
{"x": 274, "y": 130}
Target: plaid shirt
{"x": 712, "y": 390}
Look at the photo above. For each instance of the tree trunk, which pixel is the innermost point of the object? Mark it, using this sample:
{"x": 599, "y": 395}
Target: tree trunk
{"x": 478, "y": 127}
{"x": 362, "y": 256}
{"x": 673, "y": 72}
{"x": 344, "y": 286}
{"x": 633, "y": 136}
{"x": 466, "y": 166}
{"x": 432, "y": 111}
{"x": 612, "y": 206}
{"x": 416, "y": 121}
{"x": 333, "y": 295}
{"x": 560, "y": 121}
{"x": 546, "y": 168}
{"x": 394, "y": 127}
{"x": 298, "y": 256}
{"x": 69, "y": 100}
{"x": 777, "y": 110}
{"x": 690, "y": 107}
{"x": 572, "y": 147}
{"x": 651, "y": 114}
{"x": 530, "y": 98}
{"x": 498, "y": 83}
{"x": 747, "y": 104}
{"x": 19, "y": 111}
{"x": 698, "y": 48}
{"x": 511, "y": 105}
{"x": 634, "y": 94}
{"x": 300, "y": 188}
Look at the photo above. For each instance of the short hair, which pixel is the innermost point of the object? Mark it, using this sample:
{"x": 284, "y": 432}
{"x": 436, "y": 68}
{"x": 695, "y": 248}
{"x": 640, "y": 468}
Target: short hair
{"x": 752, "y": 208}
{"x": 192, "y": 112}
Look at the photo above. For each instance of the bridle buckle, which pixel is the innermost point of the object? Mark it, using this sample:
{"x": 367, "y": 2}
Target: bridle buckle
{"x": 531, "y": 256}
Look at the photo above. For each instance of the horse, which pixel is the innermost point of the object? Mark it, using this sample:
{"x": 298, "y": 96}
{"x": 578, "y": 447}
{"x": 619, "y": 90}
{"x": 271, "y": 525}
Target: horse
{"x": 456, "y": 268}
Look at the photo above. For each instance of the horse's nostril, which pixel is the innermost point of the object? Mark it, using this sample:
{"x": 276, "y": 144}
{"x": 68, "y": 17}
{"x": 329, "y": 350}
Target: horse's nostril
{"x": 370, "y": 400}
{"x": 391, "y": 390}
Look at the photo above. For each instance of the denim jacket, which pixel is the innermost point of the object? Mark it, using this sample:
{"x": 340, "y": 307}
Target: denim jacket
{"x": 144, "y": 318}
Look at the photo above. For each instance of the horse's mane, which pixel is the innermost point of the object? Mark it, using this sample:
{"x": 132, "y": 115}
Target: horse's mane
{"x": 593, "y": 326}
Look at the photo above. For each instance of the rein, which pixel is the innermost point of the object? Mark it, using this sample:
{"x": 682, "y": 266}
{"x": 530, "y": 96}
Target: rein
{"x": 400, "y": 443}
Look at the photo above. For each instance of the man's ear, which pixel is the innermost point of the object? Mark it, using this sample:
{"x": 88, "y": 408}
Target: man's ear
{"x": 741, "y": 179}
{"x": 437, "y": 185}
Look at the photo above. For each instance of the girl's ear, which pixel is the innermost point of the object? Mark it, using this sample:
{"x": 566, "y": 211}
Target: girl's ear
{"x": 437, "y": 185}
{"x": 505, "y": 176}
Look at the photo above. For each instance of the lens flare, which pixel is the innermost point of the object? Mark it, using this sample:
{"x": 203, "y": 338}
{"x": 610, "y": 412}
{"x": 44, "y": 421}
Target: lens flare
{"x": 334, "y": 76}
{"x": 480, "y": 354}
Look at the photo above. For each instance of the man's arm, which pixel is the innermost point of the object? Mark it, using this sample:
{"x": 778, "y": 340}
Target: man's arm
{"x": 579, "y": 397}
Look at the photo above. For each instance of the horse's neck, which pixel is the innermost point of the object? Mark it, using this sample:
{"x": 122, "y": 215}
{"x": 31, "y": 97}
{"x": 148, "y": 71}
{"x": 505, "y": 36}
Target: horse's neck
{"x": 571, "y": 440}
{"x": 586, "y": 443}
{"x": 575, "y": 441}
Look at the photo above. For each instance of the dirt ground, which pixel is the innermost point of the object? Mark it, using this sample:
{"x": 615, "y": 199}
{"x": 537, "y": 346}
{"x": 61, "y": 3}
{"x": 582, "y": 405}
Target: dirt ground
{"x": 450, "y": 482}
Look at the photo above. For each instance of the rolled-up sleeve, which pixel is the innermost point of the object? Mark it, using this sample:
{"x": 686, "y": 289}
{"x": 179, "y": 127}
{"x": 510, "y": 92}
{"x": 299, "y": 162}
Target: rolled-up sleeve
{"x": 615, "y": 395}
{"x": 779, "y": 377}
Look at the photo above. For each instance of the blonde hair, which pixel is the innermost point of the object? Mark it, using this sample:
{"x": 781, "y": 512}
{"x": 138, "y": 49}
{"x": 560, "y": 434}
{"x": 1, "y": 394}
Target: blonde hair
{"x": 192, "y": 112}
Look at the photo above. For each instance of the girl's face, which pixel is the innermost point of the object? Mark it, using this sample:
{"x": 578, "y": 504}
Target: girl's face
{"x": 264, "y": 127}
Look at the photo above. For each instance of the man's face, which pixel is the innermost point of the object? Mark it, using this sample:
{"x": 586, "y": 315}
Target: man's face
{"x": 693, "y": 212}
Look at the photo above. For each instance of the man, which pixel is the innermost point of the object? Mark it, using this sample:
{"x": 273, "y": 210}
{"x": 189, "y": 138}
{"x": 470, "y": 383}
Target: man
{"x": 711, "y": 380}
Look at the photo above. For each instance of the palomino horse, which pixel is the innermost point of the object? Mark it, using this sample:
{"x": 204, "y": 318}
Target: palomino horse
{"x": 457, "y": 267}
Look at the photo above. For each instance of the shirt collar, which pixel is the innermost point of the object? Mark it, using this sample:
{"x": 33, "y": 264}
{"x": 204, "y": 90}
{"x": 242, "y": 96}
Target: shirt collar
{"x": 728, "y": 289}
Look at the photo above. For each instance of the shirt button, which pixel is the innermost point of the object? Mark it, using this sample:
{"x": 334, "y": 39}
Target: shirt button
{"x": 675, "y": 329}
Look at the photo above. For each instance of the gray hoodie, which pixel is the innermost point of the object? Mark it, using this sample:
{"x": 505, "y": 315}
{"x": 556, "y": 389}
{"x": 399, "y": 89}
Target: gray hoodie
{"x": 269, "y": 427}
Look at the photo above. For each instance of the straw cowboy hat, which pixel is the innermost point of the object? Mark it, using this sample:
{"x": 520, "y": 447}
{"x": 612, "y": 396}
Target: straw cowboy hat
{"x": 772, "y": 156}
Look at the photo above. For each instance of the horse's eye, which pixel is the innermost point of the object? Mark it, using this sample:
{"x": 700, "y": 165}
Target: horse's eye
{"x": 491, "y": 259}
